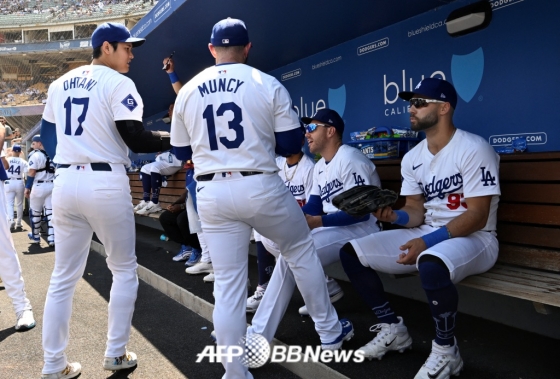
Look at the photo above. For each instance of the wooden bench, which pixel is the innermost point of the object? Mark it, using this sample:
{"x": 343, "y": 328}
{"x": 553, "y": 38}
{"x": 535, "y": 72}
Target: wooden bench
{"x": 528, "y": 228}
{"x": 167, "y": 195}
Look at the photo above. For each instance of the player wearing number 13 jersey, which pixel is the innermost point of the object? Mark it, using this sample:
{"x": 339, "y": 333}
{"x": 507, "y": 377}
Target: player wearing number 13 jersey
{"x": 452, "y": 189}
{"x": 232, "y": 118}
{"x": 95, "y": 113}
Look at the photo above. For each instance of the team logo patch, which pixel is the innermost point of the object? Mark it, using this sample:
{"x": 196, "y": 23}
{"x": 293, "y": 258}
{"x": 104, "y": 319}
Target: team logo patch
{"x": 129, "y": 102}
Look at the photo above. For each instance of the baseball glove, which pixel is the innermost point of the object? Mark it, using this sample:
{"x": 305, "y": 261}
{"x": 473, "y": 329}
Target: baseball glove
{"x": 361, "y": 200}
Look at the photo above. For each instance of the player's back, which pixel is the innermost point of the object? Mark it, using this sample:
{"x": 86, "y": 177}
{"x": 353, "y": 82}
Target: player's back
{"x": 16, "y": 167}
{"x": 84, "y": 104}
{"x": 228, "y": 114}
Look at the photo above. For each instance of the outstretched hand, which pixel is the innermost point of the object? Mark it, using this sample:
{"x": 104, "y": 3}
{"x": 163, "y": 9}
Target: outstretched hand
{"x": 385, "y": 214}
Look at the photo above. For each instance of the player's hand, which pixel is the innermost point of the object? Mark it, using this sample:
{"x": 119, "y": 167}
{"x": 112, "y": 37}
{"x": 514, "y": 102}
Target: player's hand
{"x": 314, "y": 221}
{"x": 385, "y": 214}
{"x": 169, "y": 64}
{"x": 174, "y": 208}
{"x": 27, "y": 192}
{"x": 415, "y": 247}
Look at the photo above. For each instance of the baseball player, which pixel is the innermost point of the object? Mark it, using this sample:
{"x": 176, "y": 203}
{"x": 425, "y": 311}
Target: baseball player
{"x": 10, "y": 269}
{"x": 95, "y": 113}
{"x": 232, "y": 118}
{"x": 451, "y": 185}
{"x": 340, "y": 168}
{"x": 151, "y": 174}
{"x": 14, "y": 186}
{"x": 38, "y": 189}
{"x": 296, "y": 171}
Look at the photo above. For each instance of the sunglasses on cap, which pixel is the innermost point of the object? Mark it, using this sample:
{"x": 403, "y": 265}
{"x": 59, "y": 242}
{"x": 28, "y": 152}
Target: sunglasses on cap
{"x": 310, "y": 128}
{"x": 418, "y": 102}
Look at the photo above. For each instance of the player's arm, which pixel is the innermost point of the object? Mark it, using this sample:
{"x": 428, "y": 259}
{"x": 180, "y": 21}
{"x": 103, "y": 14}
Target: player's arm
{"x": 2, "y": 135}
{"x": 175, "y": 82}
{"x": 288, "y": 142}
{"x": 140, "y": 140}
{"x": 48, "y": 137}
{"x": 410, "y": 216}
{"x": 29, "y": 182}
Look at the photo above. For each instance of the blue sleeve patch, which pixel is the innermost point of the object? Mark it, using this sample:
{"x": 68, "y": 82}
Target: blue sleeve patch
{"x": 129, "y": 102}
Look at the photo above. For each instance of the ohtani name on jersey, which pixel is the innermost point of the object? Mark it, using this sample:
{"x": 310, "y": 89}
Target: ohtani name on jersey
{"x": 220, "y": 85}
{"x": 79, "y": 82}
{"x": 330, "y": 189}
{"x": 440, "y": 188}
{"x": 296, "y": 190}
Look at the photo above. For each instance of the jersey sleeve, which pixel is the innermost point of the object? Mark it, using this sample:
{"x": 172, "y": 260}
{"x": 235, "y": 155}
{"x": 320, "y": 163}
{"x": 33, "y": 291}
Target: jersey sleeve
{"x": 308, "y": 180}
{"x": 315, "y": 186}
{"x": 48, "y": 112}
{"x": 179, "y": 134}
{"x": 480, "y": 172}
{"x": 409, "y": 185}
{"x": 126, "y": 102}
{"x": 285, "y": 117}
{"x": 37, "y": 161}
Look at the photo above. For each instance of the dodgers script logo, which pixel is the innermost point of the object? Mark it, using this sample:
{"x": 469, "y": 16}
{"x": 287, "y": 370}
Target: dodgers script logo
{"x": 330, "y": 189}
{"x": 466, "y": 71}
{"x": 337, "y": 99}
{"x": 296, "y": 190}
{"x": 441, "y": 187}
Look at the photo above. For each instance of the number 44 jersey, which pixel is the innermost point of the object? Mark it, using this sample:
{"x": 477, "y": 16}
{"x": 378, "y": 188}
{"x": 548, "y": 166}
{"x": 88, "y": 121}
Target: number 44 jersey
{"x": 466, "y": 167}
{"x": 228, "y": 114}
{"x": 84, "y": 104}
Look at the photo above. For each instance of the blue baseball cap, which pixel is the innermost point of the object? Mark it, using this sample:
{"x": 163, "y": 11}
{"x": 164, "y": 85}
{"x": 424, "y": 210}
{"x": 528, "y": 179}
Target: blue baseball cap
{"x": 16, "y": 148}
{"x": 327, "y": 116}
{"x": 229, "y": 32}
{"x": 433, "y": 88}
{"x": 36, "y": 138}
{"x": 113, "y": 32}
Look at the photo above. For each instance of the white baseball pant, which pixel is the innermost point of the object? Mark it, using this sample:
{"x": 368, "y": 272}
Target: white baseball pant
{"x": 229, "y": 207}
{"x": 85, "y": 202}
{"x": 328, "y": 242}
{"x": 39, "y": 199}
{"x": 10, "y": 269}
{"x": 14, "y": 197}
{"x": 160, "y": 167}
{"x": 463, "y": 256}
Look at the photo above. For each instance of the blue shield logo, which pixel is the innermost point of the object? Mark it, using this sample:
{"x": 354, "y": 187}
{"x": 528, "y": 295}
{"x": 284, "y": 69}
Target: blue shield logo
{"x": 337, "y": 99}
{"x": 466, "y": 72}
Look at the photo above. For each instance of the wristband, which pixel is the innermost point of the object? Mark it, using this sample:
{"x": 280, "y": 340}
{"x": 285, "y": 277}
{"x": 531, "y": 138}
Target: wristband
{"x": 173, "y": 77}
{"x": 29, "y": 182}
{"x": 402, "y": 218}
{"x": 436, "y": 237}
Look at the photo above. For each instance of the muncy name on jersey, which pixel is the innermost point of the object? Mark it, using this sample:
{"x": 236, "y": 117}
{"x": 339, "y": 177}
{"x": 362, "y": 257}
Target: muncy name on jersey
{"x": 220, "y": 85}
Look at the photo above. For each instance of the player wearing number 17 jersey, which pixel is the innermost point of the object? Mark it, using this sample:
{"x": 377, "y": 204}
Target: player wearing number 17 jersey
{"x": 232, "y": 118}
{"x": 95, "y": 112}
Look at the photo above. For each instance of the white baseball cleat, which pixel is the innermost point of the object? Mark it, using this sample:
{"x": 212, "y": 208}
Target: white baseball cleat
{"x": 71, "y": 371}
{"x": 443, "y": 362}
{"x": 200, "y": 268}
{"x": 335, "y": 293}
{"x": 149, "y": 208}
{"x": 128, "y": 360}
{"x": 140, "y": 205}
{"x": 25, "y": 320}
{"x": 209, "y": 278}
{"x": 254, "y": 301}
{"x": 390, "y": 337}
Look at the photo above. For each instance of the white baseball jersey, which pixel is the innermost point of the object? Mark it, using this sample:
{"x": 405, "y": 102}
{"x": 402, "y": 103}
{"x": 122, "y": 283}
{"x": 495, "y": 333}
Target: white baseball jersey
{"x": 17, "y": 168}
{"x": 170, "y": 158}
{"x": 38, "y": 161}
{"x": 228, "y": 121}
{"x": 348, "y": 168}
{"x": 298, "y": 178}
{"x": 92, "y": 98}
{"x": 466, "y": 167}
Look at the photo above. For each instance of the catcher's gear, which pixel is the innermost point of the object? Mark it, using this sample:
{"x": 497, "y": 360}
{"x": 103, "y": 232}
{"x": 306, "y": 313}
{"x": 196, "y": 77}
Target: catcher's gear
{"x": 361, "y": 200}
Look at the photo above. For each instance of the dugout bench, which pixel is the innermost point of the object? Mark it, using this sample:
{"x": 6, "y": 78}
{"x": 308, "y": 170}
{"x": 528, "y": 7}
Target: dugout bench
{"x": 167, "y": 195}
{"x": 528, "y": 228}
